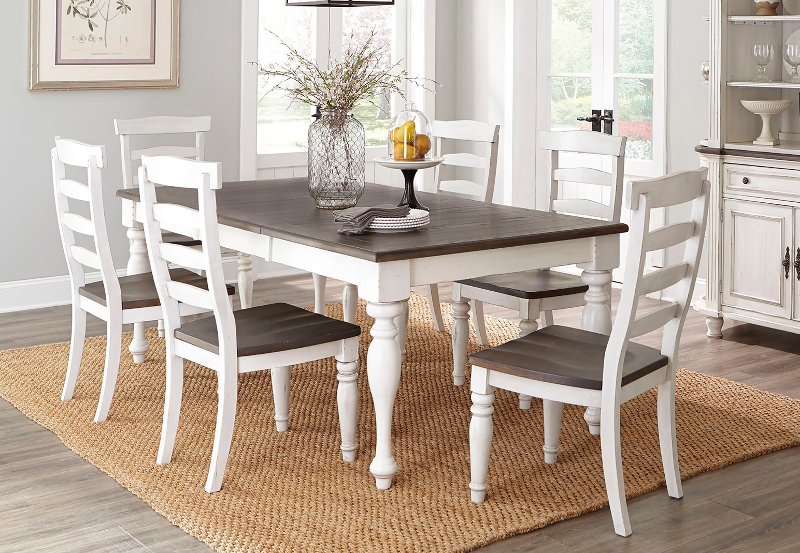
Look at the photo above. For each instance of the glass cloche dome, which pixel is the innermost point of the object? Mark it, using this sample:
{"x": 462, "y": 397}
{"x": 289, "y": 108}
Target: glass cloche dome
{"x": 410, "y": 136}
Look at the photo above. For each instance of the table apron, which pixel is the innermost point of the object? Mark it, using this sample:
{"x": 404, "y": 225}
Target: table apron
{"x": 392, "y": 280}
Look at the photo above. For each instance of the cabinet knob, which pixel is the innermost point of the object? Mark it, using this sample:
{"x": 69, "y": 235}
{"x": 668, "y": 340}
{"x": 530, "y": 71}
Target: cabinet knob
{"x": 745, "y": 180}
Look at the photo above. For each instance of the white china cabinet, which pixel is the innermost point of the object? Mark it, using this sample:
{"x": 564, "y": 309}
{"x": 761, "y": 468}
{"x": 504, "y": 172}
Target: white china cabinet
{"x": 753, "y": 240}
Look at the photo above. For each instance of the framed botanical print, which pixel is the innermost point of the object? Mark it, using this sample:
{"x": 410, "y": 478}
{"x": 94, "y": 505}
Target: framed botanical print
{"x": 97, "y": 44}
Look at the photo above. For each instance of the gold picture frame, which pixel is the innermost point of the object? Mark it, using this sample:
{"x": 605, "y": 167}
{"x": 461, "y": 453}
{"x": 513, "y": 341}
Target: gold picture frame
{"x": 103, "y": 45}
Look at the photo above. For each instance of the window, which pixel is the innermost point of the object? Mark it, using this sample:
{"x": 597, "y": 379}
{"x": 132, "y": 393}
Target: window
{"x": 282, "y": 126}
{"x": 609, "y": 54}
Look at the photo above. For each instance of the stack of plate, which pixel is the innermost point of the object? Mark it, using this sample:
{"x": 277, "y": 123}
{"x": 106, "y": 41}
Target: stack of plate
{"x": 416, "y": 218}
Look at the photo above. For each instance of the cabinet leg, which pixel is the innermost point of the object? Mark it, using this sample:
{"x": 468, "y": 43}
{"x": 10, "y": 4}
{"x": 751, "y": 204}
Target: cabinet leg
{"x": 714, "y": 325}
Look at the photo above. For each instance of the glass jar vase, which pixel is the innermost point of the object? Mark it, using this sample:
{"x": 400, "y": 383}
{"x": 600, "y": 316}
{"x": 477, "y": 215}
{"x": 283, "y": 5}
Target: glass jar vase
{"x": 336, "y": 160}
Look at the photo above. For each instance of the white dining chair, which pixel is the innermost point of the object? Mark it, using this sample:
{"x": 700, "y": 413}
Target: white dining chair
{"x": 485, "y": 137}
{"x": 567, "y": 365}
{"x": 163, "y": 126}
{"x": 269, "y": 337}
{"x": 114, "y": 299}
{"x": 536, "y": 294}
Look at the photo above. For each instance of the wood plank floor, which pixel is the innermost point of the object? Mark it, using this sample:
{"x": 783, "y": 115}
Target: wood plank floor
{"x": 52, "y": 500}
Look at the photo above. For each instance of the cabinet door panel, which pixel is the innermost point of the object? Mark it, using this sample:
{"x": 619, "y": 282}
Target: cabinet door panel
{"x": 795, "y": 275}
{"x": 756, "y": 238}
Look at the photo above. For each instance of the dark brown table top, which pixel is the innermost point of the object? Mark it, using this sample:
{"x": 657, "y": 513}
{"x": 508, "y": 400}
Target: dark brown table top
{"x": 283, "y": 209}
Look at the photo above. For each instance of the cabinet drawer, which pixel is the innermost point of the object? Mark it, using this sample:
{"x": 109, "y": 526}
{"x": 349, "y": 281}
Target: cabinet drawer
{"x": 759, "y": 181}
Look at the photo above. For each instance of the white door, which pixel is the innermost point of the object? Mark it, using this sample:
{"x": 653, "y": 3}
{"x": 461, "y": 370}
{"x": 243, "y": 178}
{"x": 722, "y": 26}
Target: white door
{"x": 605, "y": 59}
{"x": 757, "y": 257}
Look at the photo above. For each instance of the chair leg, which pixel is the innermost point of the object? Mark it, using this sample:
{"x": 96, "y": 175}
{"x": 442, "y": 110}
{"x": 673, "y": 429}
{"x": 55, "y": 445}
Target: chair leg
{"x": 552, "y": 430}
{"x": 526, "y": 326}
{"x": 460, "y": 339}
{"x": 172, "y": 408}
{"x": 281, "y": 377}
{"x": 347, "y": 398}
{"x": 612, "y": 469}
{"x": 435, "y": 306}
{"x": 223, "y": 434}
{"x": 244, "y": 263}
{"x": 668, "y": 439}
{"x": 319, "y": 293}
{"x": 480, "y": 323}
{"x": 161, "y": 328}
{"x": 75, "y": 351}
{"x": 113, "y": 350}
{"x": 480, "y": 443}
{"x": 546, "y": 318}
{"x": 349, "y": 302}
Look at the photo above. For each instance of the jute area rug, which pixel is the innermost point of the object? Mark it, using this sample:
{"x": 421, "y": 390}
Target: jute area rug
{"x": 292, "y": 492}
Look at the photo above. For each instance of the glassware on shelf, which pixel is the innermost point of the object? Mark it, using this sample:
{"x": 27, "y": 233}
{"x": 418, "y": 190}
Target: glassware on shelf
{"x": 762, "y": 55}
{"x": 410, "y": 136}
{"x": 791, "y": 55}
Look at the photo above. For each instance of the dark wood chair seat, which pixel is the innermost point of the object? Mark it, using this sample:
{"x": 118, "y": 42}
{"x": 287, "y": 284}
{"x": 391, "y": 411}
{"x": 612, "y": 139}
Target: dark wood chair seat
{"x": 530, "y": 285}
{"x": 139, "y": 291}
{"x": 269, "y": 329}
{"x": 567, "y": 356}
{"x": 181, "y": 240}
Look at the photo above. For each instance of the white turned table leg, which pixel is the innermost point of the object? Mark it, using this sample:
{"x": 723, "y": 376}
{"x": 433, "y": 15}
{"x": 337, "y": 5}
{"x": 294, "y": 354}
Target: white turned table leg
{"x": 383, "y": 371}
{"x": 460, "y": 339}
{"x": 244, "y": 263}
{"x": 319, "y": 293}
{"x": 349, "y": 302}
{"x": 138, "y": 263}
{"x": 597, "y": 318}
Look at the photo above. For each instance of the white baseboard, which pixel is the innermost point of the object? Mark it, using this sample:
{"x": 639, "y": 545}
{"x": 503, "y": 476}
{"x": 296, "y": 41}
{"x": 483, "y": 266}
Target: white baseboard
{"x": 37, "y": 293}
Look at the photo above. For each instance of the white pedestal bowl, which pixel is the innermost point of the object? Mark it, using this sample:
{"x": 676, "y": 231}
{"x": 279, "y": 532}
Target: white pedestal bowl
{"x": 766, "y": 109}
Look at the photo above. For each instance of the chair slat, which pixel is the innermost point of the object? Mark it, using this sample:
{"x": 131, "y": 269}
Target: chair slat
{"x": 466, "y": 160}
{"x": 186, "y": 218}
{"x": 78, "y": 223}
{"x": 669, "y": 236}
{"x": 173, "y": 171}
{"x": 176, "y": 151}
{"x": 583, "y": 142}
{"x": 79, "y": 154}
{"x": 666, "y": 191}
{"x": 662, "y": 278}
{"x": 163, "y": 124}
{"x": 465, "y": 130}
{"x": 192, "y": 295}
{"x": 86, "y": 257}
{"x": 654, "y": 319}
{"x": 465, "y": 188}
{"x": 183, "y": 256}
{"x": 585, "y": 208}
{"x": 74, "y": 189}
{"x": 583, "y": 175}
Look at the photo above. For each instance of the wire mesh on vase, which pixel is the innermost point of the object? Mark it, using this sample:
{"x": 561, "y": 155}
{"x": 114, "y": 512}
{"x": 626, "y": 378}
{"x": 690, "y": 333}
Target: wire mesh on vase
{"x": 336, "y": 160}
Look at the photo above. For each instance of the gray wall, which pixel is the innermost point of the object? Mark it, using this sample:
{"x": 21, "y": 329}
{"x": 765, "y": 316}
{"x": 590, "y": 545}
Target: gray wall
{"x": 209, "y": 75}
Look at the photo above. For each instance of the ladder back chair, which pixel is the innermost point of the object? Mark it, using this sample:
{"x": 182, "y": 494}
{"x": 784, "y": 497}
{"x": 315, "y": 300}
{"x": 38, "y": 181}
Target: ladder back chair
{"x": 482, "y": 134}
{"x": 536, "y": 294}
{"x": 567, "y": 365}
{"x": 114, "y": 299}
{"x": 270, "y": 337}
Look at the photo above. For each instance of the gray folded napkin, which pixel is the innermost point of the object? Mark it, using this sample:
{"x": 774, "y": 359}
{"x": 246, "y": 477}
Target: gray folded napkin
{"x": 355, "y": 220}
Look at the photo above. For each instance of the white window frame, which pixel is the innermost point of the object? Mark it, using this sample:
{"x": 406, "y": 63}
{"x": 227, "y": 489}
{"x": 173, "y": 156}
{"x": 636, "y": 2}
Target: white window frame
{"x": 605, "y": 74}
{"x": 418, "y": 63}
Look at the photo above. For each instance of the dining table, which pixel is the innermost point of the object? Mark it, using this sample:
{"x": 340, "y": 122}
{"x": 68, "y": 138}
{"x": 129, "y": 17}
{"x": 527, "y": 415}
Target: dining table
{"x": 277, "y": 220}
